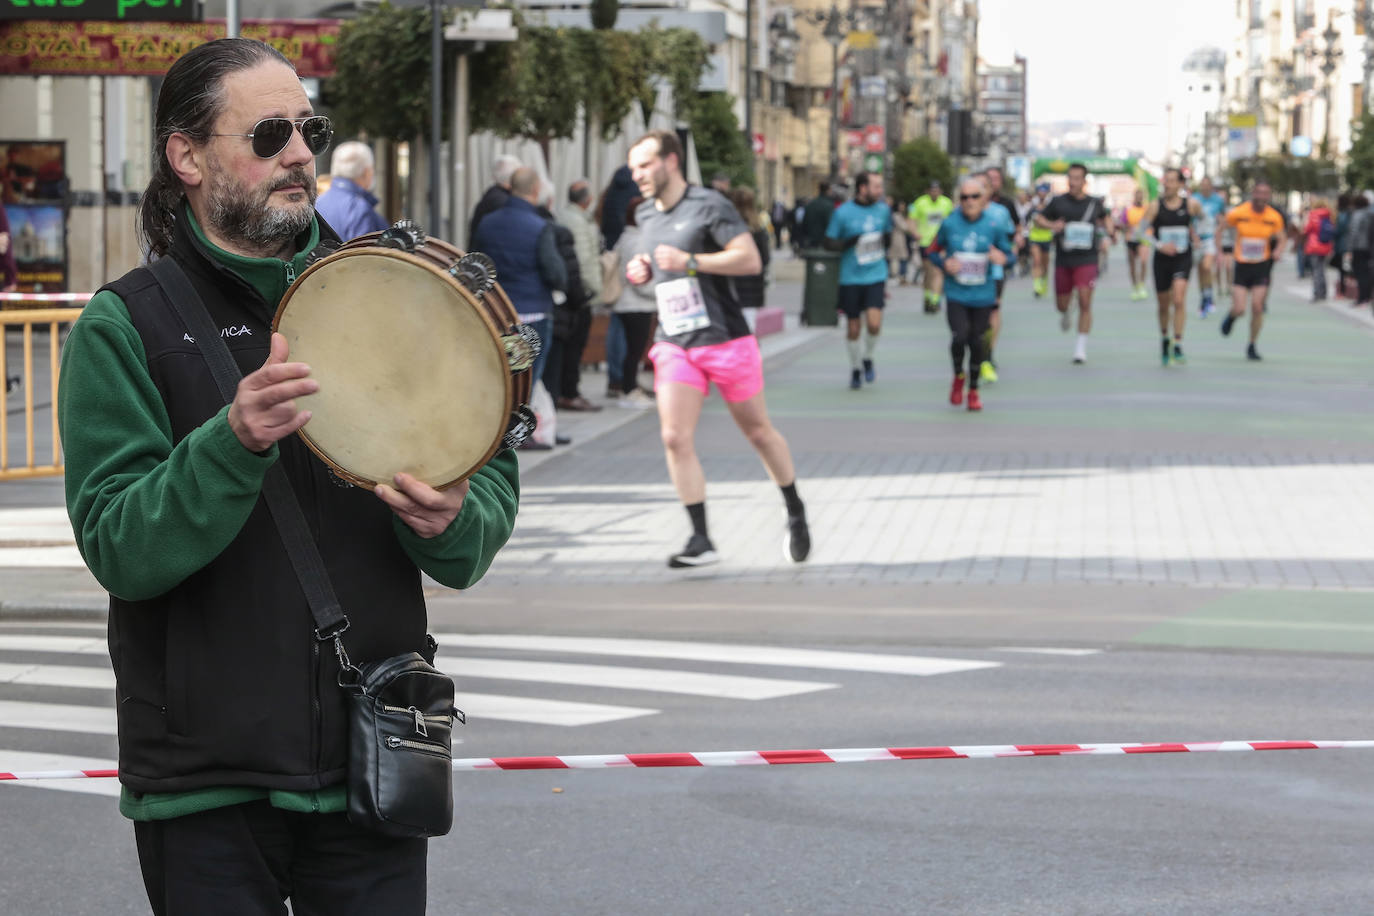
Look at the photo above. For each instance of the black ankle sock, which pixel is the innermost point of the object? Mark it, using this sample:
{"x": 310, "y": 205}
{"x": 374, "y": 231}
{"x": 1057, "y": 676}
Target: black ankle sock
{"x": 697, "y": 513}
{"x": 794, "y": 503}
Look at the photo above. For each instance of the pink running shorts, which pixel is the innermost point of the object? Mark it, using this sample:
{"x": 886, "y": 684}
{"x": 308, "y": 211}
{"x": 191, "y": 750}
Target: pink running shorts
{"x": 735, "y": 366}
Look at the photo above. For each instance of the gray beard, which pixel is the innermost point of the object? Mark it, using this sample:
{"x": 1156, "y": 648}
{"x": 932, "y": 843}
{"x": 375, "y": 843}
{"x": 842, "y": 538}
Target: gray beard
{"x": 242, "y": 215}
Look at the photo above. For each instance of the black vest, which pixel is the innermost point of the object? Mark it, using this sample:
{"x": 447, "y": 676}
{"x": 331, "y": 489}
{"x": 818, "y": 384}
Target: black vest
{"x": 220, "y": 681}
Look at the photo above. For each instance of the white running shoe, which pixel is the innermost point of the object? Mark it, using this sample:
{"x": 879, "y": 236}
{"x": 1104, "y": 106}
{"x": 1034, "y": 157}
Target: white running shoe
{"x": 635, "y": 400}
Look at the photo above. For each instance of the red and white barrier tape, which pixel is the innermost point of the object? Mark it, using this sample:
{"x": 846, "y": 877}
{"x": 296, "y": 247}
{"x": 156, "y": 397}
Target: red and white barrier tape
{"x": 45, "y": 297}
{"x": 833, "y": 755}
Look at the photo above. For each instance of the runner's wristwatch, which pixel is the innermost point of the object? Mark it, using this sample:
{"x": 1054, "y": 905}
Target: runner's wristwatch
{"x": 691, "y": 265}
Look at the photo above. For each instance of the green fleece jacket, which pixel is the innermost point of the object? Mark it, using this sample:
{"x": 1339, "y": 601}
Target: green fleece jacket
{"x": 133, "y": 493}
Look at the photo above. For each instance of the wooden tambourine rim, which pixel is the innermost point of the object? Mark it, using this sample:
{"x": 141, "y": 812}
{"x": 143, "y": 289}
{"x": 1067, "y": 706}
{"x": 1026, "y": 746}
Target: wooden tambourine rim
{"x": 477, "y": 306}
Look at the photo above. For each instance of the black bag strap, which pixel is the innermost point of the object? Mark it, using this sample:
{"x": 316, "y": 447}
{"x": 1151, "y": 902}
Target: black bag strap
{"x": 330, "y": 619}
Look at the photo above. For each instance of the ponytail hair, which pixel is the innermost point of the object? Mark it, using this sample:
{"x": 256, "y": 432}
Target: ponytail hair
{"x": 190, "y": 101}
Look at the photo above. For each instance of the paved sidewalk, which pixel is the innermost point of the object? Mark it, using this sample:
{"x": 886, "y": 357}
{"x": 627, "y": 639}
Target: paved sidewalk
{"x": 1218, "y": 474}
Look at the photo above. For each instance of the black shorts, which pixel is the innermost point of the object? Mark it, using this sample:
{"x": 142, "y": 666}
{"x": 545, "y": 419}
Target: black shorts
{"x": 1248, "y": 276}
{"x": 1169, "y": 268}
{"x": 1044, "y": 246}
{"x": 856, "y": 299}
{"x": 1001, "y": 285}
{"x": 1133, "y": 248}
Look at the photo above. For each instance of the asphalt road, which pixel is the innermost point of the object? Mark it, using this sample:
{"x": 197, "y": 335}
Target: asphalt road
{"x": 1194, "y": 541}
{"x": 1238, "y": 832}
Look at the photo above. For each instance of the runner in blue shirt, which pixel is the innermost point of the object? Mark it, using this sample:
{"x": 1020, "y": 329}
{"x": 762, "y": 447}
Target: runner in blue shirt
{"x": 861, "y": 229}
{"x": 970, "y": 243}
{"x": 1213, "y": 207}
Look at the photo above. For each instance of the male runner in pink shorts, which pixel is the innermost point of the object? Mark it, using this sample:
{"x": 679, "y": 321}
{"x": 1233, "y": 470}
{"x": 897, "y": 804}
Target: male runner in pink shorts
{"x": 696, "y": 241}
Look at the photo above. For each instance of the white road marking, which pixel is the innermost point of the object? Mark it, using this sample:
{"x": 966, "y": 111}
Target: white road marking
{"x": 29, "y": 642}
{"x": 57, "y": 675}
{"x": 695, "y": 683}
{"x": 537, "y": 711}
{"x": 920, "y": 666}
{"x": 58, "y": 717}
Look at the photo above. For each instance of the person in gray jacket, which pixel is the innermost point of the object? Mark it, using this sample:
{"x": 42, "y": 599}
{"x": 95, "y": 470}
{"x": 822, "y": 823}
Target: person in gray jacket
{"x": 579, "y": 219}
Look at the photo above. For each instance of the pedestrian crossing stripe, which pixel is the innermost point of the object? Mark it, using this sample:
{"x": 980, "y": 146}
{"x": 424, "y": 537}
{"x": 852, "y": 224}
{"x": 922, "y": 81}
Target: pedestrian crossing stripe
{"x": 722, "y": 653}
{"x": 461, "y": 659}
{"x": 653, "y": 680}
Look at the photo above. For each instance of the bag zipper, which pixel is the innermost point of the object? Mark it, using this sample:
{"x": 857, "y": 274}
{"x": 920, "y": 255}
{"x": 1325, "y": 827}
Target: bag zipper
{"x": 428, "y": 746}
{"x": 419, "y": 717}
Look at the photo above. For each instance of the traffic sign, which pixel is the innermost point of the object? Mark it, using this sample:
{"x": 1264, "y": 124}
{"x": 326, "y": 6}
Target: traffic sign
{"x": 758, "y": 144}
{"x": 873, "y": 162}
{"x": 875, "y": 139}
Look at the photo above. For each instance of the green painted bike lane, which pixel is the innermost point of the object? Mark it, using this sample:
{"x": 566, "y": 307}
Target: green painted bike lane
{"x": 1309, "y": 401}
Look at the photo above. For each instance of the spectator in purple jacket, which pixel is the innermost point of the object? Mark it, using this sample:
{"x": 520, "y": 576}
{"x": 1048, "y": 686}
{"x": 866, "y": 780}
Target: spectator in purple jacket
{"x": 349, "y": 205}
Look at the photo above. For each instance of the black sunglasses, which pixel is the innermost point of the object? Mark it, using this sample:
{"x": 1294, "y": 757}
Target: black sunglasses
{"x": 270, "y": 135}
{"x": 970, "y": 196}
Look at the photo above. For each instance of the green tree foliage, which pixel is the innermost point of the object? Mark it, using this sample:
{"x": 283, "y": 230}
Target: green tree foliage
{"x": 720, "y": 143}
{"x": 536, "y": 87}
{"x": 915, "y": 164}
{"x": 1359, "y": 172}
{"x": 1286, "y": 173}
{"x": 381, "y": 81}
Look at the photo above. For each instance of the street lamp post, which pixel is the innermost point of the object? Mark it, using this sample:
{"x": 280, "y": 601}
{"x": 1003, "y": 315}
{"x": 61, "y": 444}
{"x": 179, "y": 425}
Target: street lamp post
{"x": 1331, "y": 56}
{"x": 834, "y": 34}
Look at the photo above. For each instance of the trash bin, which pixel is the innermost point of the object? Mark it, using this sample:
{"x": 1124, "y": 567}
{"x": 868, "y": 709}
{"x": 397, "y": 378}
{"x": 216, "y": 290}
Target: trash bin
{"x": 821, "y": 292}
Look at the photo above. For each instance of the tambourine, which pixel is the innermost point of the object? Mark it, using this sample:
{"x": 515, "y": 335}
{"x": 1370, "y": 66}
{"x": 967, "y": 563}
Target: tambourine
{"x": 423, "y": 365}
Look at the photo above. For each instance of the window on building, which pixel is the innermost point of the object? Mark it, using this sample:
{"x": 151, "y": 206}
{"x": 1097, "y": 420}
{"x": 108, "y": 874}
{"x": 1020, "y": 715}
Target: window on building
{"x": 1256, "y": 14}
{"x": 1303, "y": 17}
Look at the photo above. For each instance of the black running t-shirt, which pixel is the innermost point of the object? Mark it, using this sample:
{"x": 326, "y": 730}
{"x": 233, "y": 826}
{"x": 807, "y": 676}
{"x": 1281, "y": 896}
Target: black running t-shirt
{"x": 1077, "y": 244}
{"x": 702, "y": 222}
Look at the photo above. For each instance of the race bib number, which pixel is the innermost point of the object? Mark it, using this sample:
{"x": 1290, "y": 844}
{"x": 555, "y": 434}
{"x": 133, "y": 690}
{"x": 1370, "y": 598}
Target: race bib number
{"x": 1176, "y": 236}
{"x": 973, "y": 269}
{"x": 935, "y": 219}
{"x": 1079, "y": 235}
{"x": 869, "y": 249}
{"x": 681, "y": 307}
{"x": 1207, "y": 226}
{"x": 1254, "y": 250}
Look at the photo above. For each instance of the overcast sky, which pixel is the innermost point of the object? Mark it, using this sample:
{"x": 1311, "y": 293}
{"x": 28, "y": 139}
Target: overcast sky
{"x": 1102, "y": 60}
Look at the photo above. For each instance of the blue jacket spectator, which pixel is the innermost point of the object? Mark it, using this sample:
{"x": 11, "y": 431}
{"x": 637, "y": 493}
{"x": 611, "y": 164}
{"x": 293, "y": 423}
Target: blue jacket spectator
{"x": 349, "y": 205}
{"x": 528, "y": 264}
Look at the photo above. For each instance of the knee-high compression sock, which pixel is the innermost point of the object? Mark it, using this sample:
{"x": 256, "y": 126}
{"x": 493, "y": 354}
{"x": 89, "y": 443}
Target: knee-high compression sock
{"x": 697, "y": 513}
{"x": 855, "y": 360}
{"x": 793, "y": 501}
{"x": 870, "y": 342}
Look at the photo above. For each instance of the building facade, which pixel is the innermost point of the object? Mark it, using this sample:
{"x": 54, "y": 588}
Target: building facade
{"x": 1301, "y": 68}
{"x": 1002, "y": 108}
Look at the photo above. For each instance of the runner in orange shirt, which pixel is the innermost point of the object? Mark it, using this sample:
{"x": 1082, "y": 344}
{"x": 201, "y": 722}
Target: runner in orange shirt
{"x": 1260, "y": 240}
{"x": 1130, "y": 223}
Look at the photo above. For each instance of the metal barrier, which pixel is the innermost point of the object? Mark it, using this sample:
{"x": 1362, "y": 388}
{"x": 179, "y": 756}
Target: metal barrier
{"x": 27, "y": 319}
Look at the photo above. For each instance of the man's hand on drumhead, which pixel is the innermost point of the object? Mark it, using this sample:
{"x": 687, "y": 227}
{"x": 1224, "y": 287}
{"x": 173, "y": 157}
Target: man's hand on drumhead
{"x": 426, "y": 510}
{"x": 264, "y": 407}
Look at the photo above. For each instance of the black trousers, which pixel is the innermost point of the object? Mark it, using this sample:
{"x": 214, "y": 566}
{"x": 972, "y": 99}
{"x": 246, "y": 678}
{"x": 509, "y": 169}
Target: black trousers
{"x": 1364, "y": 275}
{"x": 563, "y": 373}
{"x": 638, "y": 326}
{"x": 245, "y": 860}
{"x": 968, "y": 327}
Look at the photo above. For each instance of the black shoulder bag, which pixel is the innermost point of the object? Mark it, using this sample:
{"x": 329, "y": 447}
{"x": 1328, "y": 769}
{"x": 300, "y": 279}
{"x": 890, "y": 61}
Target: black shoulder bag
{"x": 401, "y": 712}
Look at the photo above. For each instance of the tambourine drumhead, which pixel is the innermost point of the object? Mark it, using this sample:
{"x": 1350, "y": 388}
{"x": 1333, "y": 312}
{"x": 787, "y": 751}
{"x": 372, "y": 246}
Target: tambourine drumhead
{"x": 413, "y": 377}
